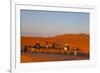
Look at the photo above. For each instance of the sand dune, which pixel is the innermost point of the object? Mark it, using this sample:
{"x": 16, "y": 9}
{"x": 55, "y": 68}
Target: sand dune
{"x": 75, "y": 40}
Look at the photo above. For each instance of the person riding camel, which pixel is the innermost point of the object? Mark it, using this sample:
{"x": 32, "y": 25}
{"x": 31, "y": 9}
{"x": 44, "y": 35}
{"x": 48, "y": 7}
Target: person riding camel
{"x": 66, "y": 48}
{"x": 37, "y": 45}
{"x": 47, "y": 45}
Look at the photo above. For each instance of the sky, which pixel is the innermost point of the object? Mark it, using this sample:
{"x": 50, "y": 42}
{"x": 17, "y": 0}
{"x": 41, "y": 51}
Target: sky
{"x": 52, "y": 23}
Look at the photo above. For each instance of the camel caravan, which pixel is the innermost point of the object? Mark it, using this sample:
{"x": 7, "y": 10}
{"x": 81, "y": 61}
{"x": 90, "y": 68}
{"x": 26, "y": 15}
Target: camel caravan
{"x": 54, "y": 48}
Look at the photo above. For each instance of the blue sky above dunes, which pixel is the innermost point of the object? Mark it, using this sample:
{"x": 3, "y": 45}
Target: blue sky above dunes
{"x": 50, "y": 23}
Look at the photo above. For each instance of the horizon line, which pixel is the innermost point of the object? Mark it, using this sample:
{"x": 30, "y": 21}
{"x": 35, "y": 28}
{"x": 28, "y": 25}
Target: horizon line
{"x": 55, "y": 35}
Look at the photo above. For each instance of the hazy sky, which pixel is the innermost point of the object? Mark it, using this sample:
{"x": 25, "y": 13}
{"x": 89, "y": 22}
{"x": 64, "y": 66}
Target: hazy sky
{"x": 50, "y": 23}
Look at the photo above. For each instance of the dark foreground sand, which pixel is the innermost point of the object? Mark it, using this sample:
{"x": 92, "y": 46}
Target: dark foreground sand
{"x": 49, "y": 57}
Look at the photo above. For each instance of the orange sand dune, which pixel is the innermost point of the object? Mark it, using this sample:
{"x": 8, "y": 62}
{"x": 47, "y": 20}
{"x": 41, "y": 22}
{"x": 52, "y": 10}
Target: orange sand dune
{"x": 75, "y": 40}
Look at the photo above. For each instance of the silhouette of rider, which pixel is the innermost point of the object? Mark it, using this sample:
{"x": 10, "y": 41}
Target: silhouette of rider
{"x": 37, "y": 45}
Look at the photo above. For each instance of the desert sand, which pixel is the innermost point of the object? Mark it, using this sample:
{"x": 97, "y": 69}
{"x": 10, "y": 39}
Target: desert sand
{"x": 74, "y": 40}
